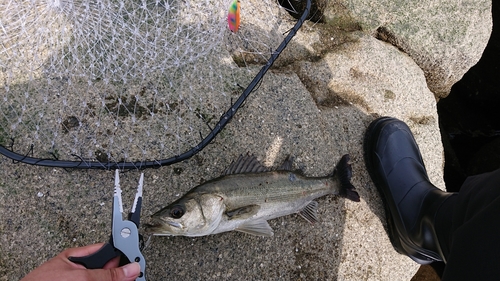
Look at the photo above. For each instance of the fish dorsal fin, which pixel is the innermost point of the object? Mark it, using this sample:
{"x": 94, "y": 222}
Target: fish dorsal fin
{"x": 243, "y": 212}
{"x": 287, "y": 164}
{"x": 245, "y": 164}
{"x": 310, "y": 212}
{"x": 256, "y": 227}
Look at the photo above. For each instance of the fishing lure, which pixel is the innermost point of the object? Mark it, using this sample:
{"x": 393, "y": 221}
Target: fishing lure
{"x": 233, "y": 16}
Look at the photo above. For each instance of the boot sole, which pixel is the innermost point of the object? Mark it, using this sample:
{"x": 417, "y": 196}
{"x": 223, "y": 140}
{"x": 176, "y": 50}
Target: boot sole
{"x": 400, "y": 245}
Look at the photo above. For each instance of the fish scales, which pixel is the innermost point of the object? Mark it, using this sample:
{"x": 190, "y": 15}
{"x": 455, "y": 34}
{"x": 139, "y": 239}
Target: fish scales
{"x": 269, "y": 187}
{"x": 243, "y": 199}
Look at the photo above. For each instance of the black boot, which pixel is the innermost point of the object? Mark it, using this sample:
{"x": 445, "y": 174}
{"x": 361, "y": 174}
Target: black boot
{"x": 411, "y": 202}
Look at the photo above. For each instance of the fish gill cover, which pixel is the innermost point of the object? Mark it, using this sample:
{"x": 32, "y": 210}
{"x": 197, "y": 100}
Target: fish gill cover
{"x": 111, "y": 81}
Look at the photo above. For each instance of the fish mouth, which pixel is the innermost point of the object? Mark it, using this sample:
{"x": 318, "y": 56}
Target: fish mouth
{"x": 159, "y": 226}
{"x": 175, "y": 224}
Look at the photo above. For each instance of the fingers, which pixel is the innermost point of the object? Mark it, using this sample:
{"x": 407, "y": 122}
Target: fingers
{"x": 127, "y": 272}
{"x": 110, "y": 272}
{"x": 82, "y": 251}
{"x": 79, "y": 252}
{"x": 112, "y": 263}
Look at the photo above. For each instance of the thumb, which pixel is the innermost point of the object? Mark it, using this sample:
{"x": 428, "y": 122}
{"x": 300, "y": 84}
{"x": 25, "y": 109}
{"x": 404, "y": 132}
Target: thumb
{"x": 128, "y": 272}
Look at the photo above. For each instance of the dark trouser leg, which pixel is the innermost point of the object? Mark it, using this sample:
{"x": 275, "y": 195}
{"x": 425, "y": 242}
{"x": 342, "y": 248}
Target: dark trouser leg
{"x": 474, "y": 242}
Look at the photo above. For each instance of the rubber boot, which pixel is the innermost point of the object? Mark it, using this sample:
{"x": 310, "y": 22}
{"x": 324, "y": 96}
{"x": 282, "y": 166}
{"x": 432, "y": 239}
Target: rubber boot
{"x": 411, "y": 201}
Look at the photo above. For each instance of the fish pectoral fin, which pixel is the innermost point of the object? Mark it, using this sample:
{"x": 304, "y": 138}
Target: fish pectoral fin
{"x": 310, "y": 212}
{"x": 243, "y": 212}
{"x": 256, "y": 227}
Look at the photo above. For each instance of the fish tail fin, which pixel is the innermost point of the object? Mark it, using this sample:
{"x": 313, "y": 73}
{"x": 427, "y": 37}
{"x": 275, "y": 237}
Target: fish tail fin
{"x": 343, "y": 171}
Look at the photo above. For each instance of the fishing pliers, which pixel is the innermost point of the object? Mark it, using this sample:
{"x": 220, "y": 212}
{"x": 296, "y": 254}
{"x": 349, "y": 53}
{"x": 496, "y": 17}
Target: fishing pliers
{"x": 124, "y": 240}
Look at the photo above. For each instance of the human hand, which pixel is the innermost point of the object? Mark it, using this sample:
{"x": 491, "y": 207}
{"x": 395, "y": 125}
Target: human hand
{"x": 61, "y": 268}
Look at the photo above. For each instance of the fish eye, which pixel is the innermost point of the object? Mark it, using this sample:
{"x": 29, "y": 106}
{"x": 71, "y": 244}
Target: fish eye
{"x": 177, "y": 212}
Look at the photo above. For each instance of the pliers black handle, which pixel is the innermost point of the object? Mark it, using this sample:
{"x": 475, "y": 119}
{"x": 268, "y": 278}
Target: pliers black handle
{"x": 125, "y": 238}
{"x": 98, "y": 259}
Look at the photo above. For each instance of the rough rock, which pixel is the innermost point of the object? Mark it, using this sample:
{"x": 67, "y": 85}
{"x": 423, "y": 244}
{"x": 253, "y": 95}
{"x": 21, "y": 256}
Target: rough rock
{"x": 282, "y": 118}
{"x": 445, "y": 38}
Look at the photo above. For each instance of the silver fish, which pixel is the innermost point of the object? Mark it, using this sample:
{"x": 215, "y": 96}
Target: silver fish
{"x": 246, "y": 196}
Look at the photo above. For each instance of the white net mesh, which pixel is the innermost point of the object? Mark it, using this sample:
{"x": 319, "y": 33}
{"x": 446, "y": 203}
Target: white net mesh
{"x": 113, "y": 81}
